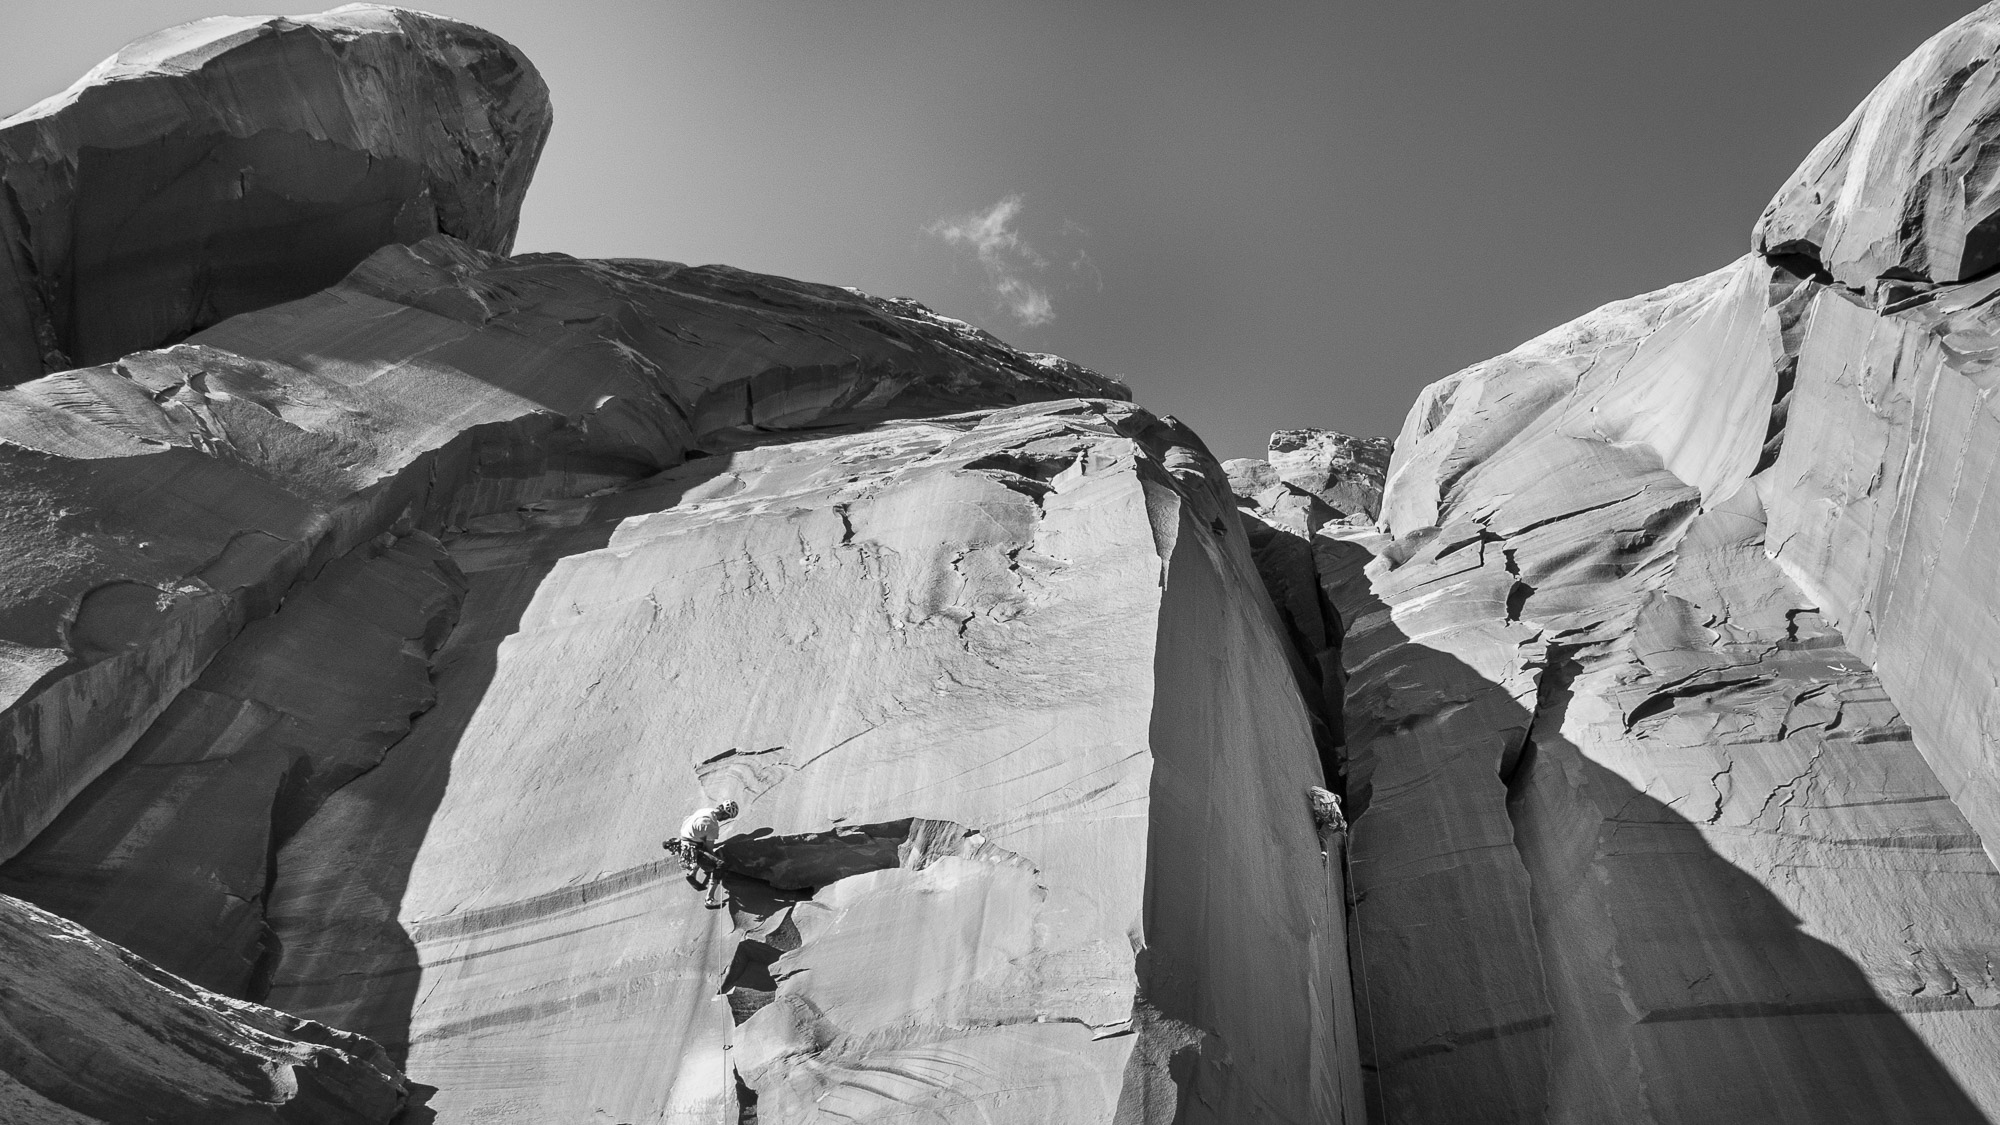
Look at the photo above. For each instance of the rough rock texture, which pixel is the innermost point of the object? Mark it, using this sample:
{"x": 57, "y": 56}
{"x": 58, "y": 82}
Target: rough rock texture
{"x": 237, "y": 162}
{"x": 595, "y": 542}
{"x": 1345, "y": 472}
{"x": 90, "y": 1034}
{"x": 356, "y": 654}
{"x": 1903, "y": 196}
{"x": 1036, "y": 624}
{"x": 1641, "y": 839}
{"x": 156, "y": 505}
{"x": 1313, "y": 478}
{"x": 1669, "y": 716}
{"x": 170, "y": 851}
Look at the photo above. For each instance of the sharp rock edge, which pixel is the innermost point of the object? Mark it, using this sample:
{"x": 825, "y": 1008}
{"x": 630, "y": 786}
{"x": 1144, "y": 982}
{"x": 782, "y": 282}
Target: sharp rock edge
{"x": 360, "y": 646}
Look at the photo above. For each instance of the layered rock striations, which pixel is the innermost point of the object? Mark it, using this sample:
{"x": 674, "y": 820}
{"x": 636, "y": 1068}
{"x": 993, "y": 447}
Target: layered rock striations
{"x": 236, "y": 162}
{"x": 1031, "y": 635}
{"x": 1041, "y": 625}
{"x": 357, "y": 650}
{"x": 161, "y": 502}
{"x": 1643, "y": 837}
{"x": 91, "y": 1035}
{"x": 1877, "y": 503}
{"x": 1667, "y": 675}
{"x": 361, "y": 649}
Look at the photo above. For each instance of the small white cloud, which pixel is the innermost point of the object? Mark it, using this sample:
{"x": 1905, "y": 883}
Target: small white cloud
{"x": 1082, "y": 265}
{"x": 1004, "y": 255}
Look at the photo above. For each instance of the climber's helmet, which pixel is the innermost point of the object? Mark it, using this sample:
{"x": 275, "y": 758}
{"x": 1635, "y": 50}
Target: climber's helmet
{"x": 725, "y": 811}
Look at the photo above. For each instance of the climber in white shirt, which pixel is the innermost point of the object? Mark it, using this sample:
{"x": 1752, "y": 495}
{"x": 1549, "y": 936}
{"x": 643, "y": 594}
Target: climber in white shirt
{"x": 696, "y": 847}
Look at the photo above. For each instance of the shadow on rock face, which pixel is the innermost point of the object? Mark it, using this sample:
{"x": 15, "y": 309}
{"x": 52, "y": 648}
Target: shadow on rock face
{"x": 348, "y": 952}
{"x": 336, "y": 902}
{"x": 1672, "y": 986}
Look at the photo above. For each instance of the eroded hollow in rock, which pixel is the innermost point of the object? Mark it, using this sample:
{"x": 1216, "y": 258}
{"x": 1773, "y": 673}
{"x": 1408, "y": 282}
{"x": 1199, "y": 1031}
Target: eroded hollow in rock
{"x": 768, "y": 874}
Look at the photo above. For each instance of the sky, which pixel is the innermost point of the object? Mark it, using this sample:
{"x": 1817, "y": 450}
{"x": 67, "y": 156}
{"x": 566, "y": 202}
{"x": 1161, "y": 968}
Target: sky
{"x": 1261, "y": 214}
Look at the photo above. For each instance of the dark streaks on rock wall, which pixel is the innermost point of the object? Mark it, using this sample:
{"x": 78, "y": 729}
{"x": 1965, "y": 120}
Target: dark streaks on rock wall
{"x": 170, "y": 852}
{"x": 500, "y": 396}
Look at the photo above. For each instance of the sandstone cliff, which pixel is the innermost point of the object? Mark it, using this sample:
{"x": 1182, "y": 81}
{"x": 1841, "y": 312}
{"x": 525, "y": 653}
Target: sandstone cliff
{"x": 1667, "y": 674}
{"x": 361, "y": 649}
{"x": 366, "y": 623}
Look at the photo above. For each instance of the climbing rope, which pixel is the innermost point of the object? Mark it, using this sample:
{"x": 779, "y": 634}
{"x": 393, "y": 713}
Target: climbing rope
{"x": 1361, "y": 962}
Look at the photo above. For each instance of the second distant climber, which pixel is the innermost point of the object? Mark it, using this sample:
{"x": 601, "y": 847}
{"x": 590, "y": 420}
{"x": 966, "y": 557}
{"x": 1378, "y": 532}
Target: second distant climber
{"x": 696, "y": 847}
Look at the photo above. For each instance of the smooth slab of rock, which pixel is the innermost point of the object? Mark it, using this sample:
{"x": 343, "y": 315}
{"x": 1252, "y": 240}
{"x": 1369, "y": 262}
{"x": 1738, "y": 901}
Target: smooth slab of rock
{"x": 1025, "y": 831}
{"x": 150, "y": 508}
{"x": 92, "y": 1035}
{"x": 1878, "y": 496}
{"x": 237, "y": 162}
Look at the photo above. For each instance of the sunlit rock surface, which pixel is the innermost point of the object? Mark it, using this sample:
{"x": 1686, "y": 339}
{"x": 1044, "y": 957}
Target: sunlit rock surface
{"x": 1036, "y": 631}
{"x": 357, "y": 653}
{"x": 429, "y": 604}
{"x": 1643, "y": 839}
{"x": 91, "y": 1035}
{"x": 1902, "y": 197}
{"x": 236, "y": 162}
{"x": 1669, "y": 715}
{"x": 1343, "y": 471}
{"x": 156, "y": 505}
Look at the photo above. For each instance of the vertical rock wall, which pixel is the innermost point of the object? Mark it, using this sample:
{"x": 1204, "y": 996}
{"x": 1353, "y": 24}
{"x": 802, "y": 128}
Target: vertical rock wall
{"x": 1025, "y": 776}
{"x": 158, "y": 504}
{"x": 1644, "y": 833}
{"x": 1878, "y": 500}
{"x": 1031, "y": 627}
{"x": 1668, "y": 710}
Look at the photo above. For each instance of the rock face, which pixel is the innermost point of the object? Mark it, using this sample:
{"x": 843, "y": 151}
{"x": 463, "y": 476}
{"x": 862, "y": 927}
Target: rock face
{"x": 1624, "y": 783}
{"x": 361, "y": 649}
{"x": 1038, "y": 623}
{"x": 1901, "y": 198}
{"x": 163, "y": 501}
{"x": 169, "y": 852}
{"x": 1344, "y": 472}
{"x": 1668, "y": 718}
{"x": 357, "y": 651}
{"x": 959, "y": 619}
{"x": 91, "y": 1034}
{"x": 234, "y": 163}
{"x": 1313, "y": 478}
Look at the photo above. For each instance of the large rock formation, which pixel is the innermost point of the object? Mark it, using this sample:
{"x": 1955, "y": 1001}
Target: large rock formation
{"x": 1041, "y": 625}
{"x": 357, "y": 651}
{"x": 1034, "y": 629}
{"x": 1668, "y": 711}
{"x": 232, "y": 163}
{"x": 361, "y": 649}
